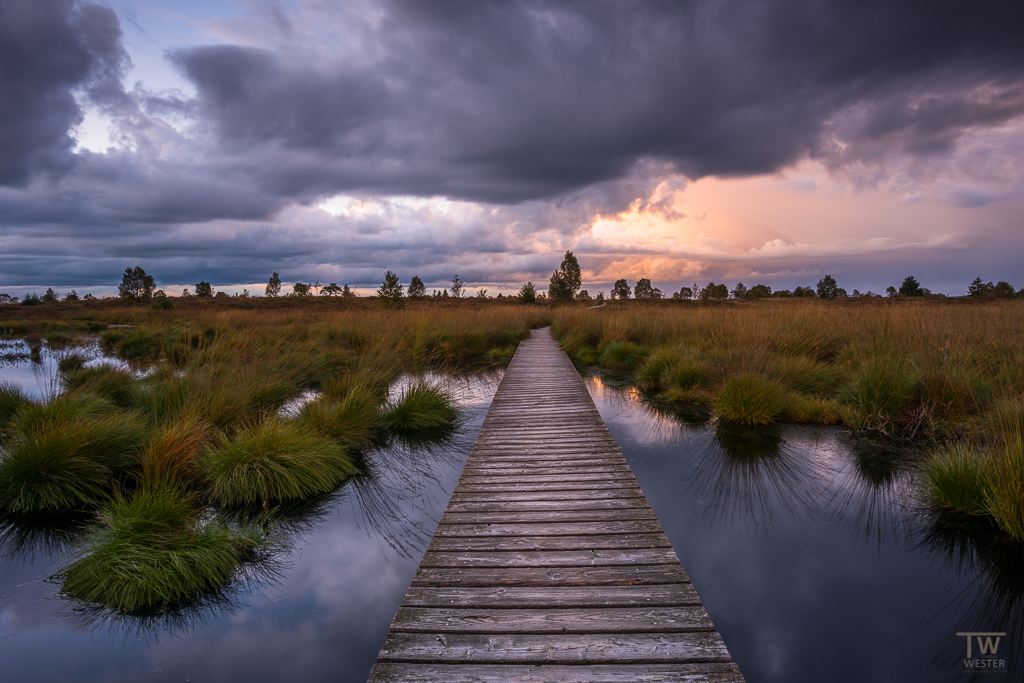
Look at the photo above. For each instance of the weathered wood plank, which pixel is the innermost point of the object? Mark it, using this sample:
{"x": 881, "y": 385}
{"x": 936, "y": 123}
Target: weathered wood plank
{"x": 665, "y": 595}
{"x": 537, "y": 516}
{"x": 705, "y": 672}
{"x": 700, "y": 646}
{"x": 616, "y": 575}
{"x": 680, "y": 619}
{"x": 549, "y": 558}
{"x": 620, "y": 493}
{"x": 536, "y": 505}
{"x": 632, "y": 526}
{"x": 595, "y": 542}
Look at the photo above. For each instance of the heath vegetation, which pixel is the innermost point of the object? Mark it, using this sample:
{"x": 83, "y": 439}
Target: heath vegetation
{"x": 222, "y": 408}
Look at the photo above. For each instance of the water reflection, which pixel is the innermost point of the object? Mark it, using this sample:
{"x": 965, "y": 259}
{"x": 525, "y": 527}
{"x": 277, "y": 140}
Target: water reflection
{"x": 874, "y": 488}
{"x": 749, "y": 475}
{"x": 991, "y": 567}
{"x": 25, "y": 537}
{"x": 855, "y": 579}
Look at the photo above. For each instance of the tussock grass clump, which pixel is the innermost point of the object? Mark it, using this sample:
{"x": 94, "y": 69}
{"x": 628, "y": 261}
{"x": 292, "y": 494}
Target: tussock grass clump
{"x": 273, "y": 460}
{"x": 351, "y": 420}
{"x": 652, "y": 372}
{"x": 811, "y": 410}
{"x": 70, "y": 363}
{"x": 152, "y": 550}
{"x": 750, "y": 400}
{"x": 420, "y": 407}
{"x": 884, "y": 392}
{"x": 1004, "y": 490}
{"x": 12, "y": 398}
{"x": 106, "y": 381}
{"x": 622, "y": 355}
{"x": 66, "y": 453}
{"x": 140, "y": 346}
{"x": 172, "y": 454}
{"x": 955, "y": 479}
{"x": 805, "y": 376}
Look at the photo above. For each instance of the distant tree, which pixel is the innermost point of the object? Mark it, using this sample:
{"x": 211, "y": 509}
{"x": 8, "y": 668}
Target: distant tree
{"x": 301, "y": 289}
{"x": 1003, "y": 290}
{"x": 245, "y": 294}
{"x": 599, "y": 298}
{"x": 8, "y": 299}
{"x": 583, "y": 295}
{"x": 890, "y": 291}
{"x": 204, "y": 289}
{"x": 713, "y": 291}
{"x": 390, "y": 291}
{"x": 456, "y": 287}
{"x": 620, "y": 290}
{"x": 739, "y": 291}
{"x": 136, "y": 284}
{"x": 528, "y": 293}
{"x": 683, "y": 293}
{"x": 805, "y": 292}
{"x": 331, "y": 290}
{"x": 567, "y": 280}
{"x": 220, "y": 295}
{"x": 979, "y": 288}
{"x": 644, "y": 289}
{"x": 416, "y": 288}
{"x": 31, "y": 300}
{"x": 759, "y": 292}
{"x": 828, "y": 288}
{"x": 50, "y": 295}
{"x": 274, "y": 286}
{"x": 184, "y": 292}
{"x": 481, "y": 294}
{"x": 911, "y": 287}
{"x": 347, "y": 293}
{"x": 782, "y": 294}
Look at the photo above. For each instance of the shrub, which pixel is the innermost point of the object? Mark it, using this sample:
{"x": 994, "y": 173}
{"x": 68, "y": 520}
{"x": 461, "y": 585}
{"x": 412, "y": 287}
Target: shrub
{"x": 273, "y": 460}
{"x": 152, "y": 550}
{"x": 749, "y": 400}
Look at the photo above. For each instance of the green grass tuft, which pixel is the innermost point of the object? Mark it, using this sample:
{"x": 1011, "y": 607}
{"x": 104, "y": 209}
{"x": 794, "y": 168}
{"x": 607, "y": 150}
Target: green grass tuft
{"x": 152, "y": 550}
{"x": 884, "y": 392}
{"x": 351, "y": 420}
{"x": 106, "y": 381}
{"x": 274, "y": 460}
{"x": 66, "y": 453}
{"x": 421, "y": 406}
{"x": 621, "y": 355}
{"x": 12, "y": 398}
{"x": 955, "y": 479}
{"x": 749, "y": 400}
{"x": 652, "y": 372}
{"x": 1004, "y": 487}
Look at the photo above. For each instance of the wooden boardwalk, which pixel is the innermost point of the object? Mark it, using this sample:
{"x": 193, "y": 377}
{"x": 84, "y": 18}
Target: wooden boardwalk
{"x": 549, "y": 564}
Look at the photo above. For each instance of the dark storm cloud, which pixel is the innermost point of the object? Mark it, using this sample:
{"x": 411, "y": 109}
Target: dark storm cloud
{"x": 502, "y": 102}
{"x": 49, "y": 50}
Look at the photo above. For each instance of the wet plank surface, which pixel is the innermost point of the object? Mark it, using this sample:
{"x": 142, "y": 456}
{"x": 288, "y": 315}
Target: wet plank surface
{"x": 549, "y": 564}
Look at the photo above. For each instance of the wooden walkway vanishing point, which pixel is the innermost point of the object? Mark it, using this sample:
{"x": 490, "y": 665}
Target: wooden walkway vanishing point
{"x": 549, "y": 564}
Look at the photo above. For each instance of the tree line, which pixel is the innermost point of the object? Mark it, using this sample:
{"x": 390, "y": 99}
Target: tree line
{"x": 565, "y": 284}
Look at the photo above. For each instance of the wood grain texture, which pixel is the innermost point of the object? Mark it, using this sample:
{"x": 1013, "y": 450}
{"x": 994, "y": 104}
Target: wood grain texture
{"x": 549, "y": 564}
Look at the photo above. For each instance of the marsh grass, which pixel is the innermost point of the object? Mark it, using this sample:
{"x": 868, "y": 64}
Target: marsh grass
{"x": 351, "y": 420}
{"x": 420, "y": 406}
{"x": 113, "y": 384}
{"x": 750, "y": 400}
{"x": 622, "y": 355}
{"x": 273, "y": 460}
{"x": 955, "y": 478}
{"x": 12, "y": 398}
{"x": 152, "y": 549}
{"x": 65, "y": 453}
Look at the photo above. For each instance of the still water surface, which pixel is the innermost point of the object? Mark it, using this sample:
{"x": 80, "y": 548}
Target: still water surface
{"x": 809, "y": 549}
